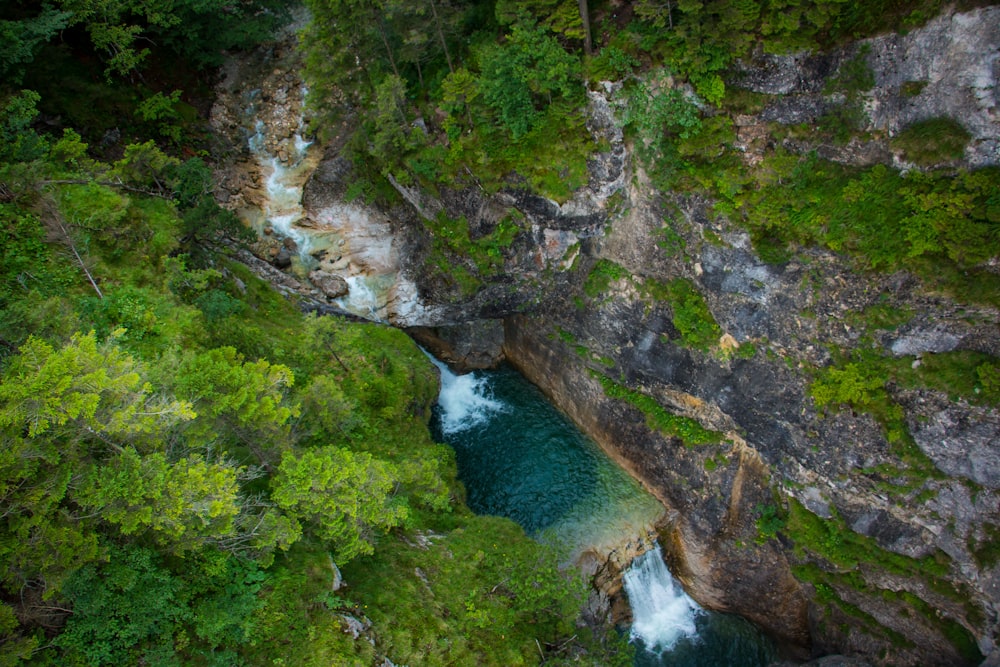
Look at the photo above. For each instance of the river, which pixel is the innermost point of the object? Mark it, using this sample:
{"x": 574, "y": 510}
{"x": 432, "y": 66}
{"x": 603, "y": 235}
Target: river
{"x": 521, "y": 458}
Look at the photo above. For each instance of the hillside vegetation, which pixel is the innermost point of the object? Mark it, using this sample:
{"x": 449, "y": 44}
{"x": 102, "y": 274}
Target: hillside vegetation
{"x": 189, "y": 463}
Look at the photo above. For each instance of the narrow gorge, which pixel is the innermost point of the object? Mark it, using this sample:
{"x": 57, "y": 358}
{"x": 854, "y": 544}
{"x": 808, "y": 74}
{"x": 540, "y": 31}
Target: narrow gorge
{"x": 779, "y": 396}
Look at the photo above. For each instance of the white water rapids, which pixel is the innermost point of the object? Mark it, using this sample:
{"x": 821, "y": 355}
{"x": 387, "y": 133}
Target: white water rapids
{"x": 465, "y": 400}
{"x": 662, "y": 612}
{"x": 283, "y": 186}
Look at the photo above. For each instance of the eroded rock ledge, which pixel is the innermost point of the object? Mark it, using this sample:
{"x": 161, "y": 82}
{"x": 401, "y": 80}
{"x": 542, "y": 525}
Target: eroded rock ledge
{"x": 778, "y": 324}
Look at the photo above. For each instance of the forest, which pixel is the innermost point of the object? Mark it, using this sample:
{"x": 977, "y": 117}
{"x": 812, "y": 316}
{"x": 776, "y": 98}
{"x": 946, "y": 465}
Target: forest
{"x": 189, "y": 464}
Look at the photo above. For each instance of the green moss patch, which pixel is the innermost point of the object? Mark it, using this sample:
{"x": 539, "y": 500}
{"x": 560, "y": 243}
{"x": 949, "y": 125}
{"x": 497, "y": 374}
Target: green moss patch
{"x": 657, "y": 417}
{"x": 932, "y": 142}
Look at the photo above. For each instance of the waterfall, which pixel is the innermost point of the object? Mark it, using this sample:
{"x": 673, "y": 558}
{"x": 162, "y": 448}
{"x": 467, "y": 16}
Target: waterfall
{"x": 283, "y": 185}
{"x": 520, "y": 458}
{"x": 465, "y": 400}
{"x": 284, "y": 206}
{"x": 361, "y": 299}
{"x": 662, "y": 612}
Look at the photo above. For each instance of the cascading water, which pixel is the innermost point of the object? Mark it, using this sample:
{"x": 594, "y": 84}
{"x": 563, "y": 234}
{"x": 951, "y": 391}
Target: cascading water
{"x": 662, "y": 612}
{"x": 670, "y": 629}
{"x": 283, "y": 180}
{"x": 522, "y": 459}
{"x": 331, "y": 243}
{"x": 363, "y": 297}
{"x": 464, "y": 400}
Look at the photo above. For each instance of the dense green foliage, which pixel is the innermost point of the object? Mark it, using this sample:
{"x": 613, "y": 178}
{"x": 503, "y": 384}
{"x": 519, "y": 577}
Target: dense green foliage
{"x": 688, "y": 430}
{"x": 462, "y": 262}
{"x": 602, "y": 275}
{"x": 938, "y": 225}
{"x": 120, "y": 32}
{"x": 185, "y": 458}
{"x": 464, "y": 105}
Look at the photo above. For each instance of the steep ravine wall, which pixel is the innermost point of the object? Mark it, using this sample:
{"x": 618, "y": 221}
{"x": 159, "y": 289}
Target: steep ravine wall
{"x": 751, "y": 580}
{"x": 776, "y": 447}
{"x": 874, "y": 556}
{"x": 805, "y": 521}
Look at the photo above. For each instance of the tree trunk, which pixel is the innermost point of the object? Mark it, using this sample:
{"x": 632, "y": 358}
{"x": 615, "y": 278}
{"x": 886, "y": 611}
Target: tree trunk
{"x": 385, "y": 42}
{"x": 440, "y": 33}
{"x": 588, "y": 46}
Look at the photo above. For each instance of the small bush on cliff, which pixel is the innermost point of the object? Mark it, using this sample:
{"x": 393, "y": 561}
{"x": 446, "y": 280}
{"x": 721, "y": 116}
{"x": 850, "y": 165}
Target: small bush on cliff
{"x": 657, "y": 417}
{"x": 770, "y": 521}
{"x": 932, "y": 142}
{"x": 602, "y": 275}
{"x": 691, "y": 315}
{"x": 989, "y": 380}
{"x": 855, "y": 384}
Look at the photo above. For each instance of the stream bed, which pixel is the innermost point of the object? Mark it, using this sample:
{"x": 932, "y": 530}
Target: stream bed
{"x": 521, "y": 458}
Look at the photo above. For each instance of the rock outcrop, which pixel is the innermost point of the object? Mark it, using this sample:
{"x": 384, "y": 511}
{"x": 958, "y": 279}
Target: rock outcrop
{"x": 820, "y": 525}
{"x": 948, "y": 68}
{"x": 725, "y": 572}
{"x": 776, "y": 442}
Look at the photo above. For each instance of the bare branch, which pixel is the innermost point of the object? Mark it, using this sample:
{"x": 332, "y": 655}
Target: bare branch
{"x": 162, "y": 192}
{"x": 54, "y": 222}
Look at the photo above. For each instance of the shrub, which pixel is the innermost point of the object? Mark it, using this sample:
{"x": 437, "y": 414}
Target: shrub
{"x": 932, "y": 141}
{"x": 601, "y": 276}
{"x": 691, "y": 316}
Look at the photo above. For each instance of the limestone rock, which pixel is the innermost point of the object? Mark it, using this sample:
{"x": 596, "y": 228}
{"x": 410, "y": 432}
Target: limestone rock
{"x": 353, "y": 626}
{"x": 283, "y": 259}
{"x": 953, "y": 59}
{"x": 955, "y": 55}
{"x": 331, "y": 284}
{"x": 962, "y": 440}
{"x": 464, "y": 347}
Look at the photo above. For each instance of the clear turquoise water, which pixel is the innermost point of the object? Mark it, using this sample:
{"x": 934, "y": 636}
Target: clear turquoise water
{"x": 720, "y": 640}
{"x": 521, "y": 458}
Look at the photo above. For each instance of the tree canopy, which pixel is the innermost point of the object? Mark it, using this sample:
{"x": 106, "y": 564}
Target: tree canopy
{"x": 187, "y": 461}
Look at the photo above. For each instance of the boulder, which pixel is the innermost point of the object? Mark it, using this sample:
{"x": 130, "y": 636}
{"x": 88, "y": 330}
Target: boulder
{"x": 283, "y": 259}
{"x": 331, "y": 284}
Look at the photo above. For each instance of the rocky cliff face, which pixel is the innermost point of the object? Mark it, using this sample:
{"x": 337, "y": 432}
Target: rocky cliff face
{"x": 820, "y": 525}
{"x": 947, "y": 68}
{"x": 775, "y": 446}
{"x": 877, "y": 556}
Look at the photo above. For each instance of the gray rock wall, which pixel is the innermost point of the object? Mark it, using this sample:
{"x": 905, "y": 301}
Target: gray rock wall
{"x": 952, "y": 66}
{"x": 779, "y": 325}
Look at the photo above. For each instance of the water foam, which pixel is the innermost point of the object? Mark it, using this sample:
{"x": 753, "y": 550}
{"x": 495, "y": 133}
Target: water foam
{"x": 662, "y": 612}
{"x": 283, "y": 185}
{"x": 361, "y": 299}
{"x": 465, "y": 400}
